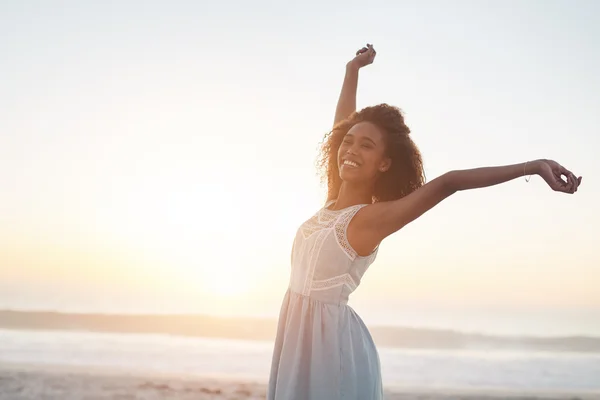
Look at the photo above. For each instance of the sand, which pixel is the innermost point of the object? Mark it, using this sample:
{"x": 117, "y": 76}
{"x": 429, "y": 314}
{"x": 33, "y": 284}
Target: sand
{"x": 28, "y": 382}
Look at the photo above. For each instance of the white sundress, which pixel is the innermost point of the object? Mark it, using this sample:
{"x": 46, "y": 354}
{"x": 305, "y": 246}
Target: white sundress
{"x": 323, "y": 350}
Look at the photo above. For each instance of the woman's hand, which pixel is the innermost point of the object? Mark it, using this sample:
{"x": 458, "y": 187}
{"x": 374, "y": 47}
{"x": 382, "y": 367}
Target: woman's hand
{"x": 552, "y": 172}
{"x": 364, "y": 57}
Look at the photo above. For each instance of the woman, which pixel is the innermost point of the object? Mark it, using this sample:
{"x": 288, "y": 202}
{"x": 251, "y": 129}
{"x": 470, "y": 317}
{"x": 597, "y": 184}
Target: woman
{"x": 375, "y": 184}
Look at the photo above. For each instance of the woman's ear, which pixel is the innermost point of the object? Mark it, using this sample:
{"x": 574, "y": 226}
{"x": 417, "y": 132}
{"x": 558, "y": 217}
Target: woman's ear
{"x": 385, "y": 164}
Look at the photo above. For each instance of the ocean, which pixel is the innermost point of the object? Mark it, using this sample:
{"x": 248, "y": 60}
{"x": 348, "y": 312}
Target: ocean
{"x": 250, "y": 360}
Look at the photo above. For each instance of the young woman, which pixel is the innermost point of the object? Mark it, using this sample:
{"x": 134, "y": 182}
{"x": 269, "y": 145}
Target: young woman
{"x": 375, "y": 182}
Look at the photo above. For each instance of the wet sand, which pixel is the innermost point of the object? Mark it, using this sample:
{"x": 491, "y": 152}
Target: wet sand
{"x": 29, "y": 382}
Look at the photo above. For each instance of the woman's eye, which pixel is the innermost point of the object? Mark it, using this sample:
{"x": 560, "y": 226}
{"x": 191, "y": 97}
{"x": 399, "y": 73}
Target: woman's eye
{"x": 366, "y": 146}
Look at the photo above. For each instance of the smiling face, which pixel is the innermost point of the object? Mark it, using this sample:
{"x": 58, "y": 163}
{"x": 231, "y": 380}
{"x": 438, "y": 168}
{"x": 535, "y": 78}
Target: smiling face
{"x": 371, "y": 152}
{"x": 362, "y": 156}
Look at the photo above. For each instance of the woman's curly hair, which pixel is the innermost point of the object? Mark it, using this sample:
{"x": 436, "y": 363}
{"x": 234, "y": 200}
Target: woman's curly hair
{"x": 405, "y": 174}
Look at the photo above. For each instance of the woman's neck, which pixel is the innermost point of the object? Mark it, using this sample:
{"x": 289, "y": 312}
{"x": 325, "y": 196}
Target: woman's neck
{"x": 351, "y": 195}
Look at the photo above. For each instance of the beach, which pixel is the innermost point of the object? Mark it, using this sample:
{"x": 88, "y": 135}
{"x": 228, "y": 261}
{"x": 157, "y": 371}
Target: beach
{"x": 29, "y": 382}
{"x": 69, "y": 365}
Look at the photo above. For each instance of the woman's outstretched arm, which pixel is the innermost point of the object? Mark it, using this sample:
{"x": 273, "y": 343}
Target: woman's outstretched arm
{"x": 377, "y": 221}
{"x": 347, "y": 102}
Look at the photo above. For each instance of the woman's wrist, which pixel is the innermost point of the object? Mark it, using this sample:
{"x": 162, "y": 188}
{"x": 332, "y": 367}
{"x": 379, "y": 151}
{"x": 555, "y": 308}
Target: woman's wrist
{"x": 532, "y": 167}
{"x": 351, "y": 66}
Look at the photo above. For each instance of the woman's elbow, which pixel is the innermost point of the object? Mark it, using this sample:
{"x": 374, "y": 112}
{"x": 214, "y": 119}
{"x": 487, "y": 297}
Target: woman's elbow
{"x": 450, "y": 182}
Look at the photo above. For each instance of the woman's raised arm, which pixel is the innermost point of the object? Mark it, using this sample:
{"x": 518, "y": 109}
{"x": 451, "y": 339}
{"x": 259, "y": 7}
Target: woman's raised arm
{"x": 347, "y": 102}
{"x": 375, "y": 222}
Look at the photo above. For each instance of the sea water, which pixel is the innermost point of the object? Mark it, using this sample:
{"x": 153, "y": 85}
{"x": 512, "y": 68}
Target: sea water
{"x": 239, "y": 359}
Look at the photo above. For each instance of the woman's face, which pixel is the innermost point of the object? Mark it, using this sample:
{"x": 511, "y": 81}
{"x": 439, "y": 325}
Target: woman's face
{"x": 361, "y": 156}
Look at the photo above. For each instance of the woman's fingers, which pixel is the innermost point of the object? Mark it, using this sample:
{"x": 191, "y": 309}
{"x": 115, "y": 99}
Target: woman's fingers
{"x": 366, "y": 59}
{"x": 575, "y": 182}
{"x": 373, "y": 53}
{"x": 558, "y": 183}
{"x": 561, "y": 179}
{"x": 361, "y": 51}
{"x": 570, "y": 184}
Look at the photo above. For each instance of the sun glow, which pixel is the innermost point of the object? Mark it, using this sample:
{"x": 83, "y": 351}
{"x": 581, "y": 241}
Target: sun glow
{"x": 227, "y": 282}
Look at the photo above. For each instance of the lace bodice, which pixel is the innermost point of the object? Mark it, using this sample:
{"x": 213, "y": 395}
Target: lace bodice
{"x": 324, "y": 264}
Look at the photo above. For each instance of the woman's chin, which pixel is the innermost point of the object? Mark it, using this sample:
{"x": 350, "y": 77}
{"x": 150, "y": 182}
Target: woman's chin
{"x": 350, "y": 176}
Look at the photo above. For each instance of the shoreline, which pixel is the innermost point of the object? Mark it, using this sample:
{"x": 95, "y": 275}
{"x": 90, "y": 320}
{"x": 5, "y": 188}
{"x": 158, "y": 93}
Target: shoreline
{"x": 108, "y": 383}
{"x": 388, "y": 337}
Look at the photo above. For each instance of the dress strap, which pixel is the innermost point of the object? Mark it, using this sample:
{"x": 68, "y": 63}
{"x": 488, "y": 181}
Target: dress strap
{"x": 341, "y": 227}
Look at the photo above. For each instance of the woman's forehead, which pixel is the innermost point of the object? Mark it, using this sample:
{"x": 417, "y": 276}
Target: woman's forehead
{"x": 366, "y": 129}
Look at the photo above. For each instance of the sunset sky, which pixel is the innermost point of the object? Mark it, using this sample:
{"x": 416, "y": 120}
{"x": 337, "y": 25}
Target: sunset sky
{"x": 159, "y": 156}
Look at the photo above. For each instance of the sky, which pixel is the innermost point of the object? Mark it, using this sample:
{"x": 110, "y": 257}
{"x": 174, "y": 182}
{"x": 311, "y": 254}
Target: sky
{"x": 159, "y": 157}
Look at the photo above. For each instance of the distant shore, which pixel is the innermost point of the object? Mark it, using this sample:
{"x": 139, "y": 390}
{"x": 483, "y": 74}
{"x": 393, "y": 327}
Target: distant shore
{"x": 31, "y": 382}
{"x": 264, "y": 329}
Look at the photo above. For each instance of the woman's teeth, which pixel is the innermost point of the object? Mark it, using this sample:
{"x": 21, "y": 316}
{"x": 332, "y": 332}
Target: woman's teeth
{"x": 350, "y": 163}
